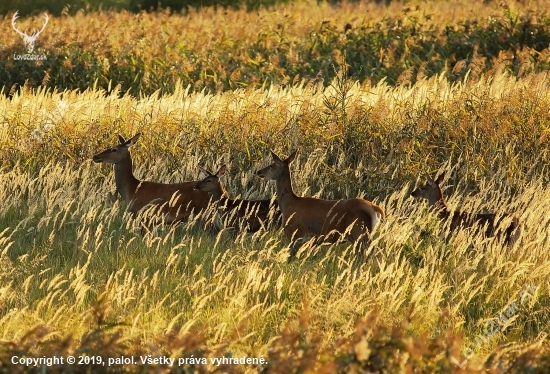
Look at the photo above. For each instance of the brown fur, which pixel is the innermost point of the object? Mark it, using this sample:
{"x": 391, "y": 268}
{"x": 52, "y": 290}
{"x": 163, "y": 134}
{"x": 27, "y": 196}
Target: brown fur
{"x": 249, "y": 215}
{"x": 176, "y": 201}
{"x": 431, "y": 191}
{"x": 328, "y": 220}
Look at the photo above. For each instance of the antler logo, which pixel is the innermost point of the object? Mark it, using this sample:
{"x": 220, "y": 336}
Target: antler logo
{"x": 28, "y": 39}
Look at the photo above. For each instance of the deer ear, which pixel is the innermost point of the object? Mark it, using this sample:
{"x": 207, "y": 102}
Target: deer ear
{"x": 133, "y": 140}
{"x": 291, "y": 157}
{"x": 275, "y": 157}
{"x": 121, "y": 140}
{"x": 221, "y": 171}
{"x": 439, "y": 179}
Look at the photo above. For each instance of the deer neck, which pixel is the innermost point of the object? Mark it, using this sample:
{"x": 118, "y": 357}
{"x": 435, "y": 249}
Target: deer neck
{"x": 442, "y": 209}
{"x": 222, "y": 197}
{"x": 219, "y": 194}
{"x": 285, "y": 195}
{"x": 126, "y": 183}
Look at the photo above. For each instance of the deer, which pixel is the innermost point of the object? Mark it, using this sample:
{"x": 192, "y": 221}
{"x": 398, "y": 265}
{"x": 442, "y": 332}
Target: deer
{"x": 331, "y": 221}
{"x": 489, "y": 222}
{"x": 242, "y": 215}
{"x": 29, "y": 40}
{"x": 175, "y": 201}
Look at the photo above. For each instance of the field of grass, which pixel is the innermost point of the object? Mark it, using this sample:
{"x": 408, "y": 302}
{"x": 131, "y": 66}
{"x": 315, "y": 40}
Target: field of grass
{"x": 78, "y": 278}
{"x": 229, "y": 49}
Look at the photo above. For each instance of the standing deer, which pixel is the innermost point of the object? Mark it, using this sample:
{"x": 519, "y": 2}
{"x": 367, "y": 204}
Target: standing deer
{"x": 431, "y": 191}
{"x": 249, "y": 215}
{"x": 175, "y": 201}
{"x": 327, "y": 220}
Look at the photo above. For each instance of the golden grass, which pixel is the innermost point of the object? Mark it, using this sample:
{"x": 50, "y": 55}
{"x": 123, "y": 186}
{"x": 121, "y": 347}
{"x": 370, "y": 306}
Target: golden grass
{"x": 76, "y": 277}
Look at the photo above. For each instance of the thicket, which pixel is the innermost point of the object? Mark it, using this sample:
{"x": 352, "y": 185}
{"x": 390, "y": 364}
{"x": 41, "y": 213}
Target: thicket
{"x": 57, "y": 8}
{"x": 229, "y": 49}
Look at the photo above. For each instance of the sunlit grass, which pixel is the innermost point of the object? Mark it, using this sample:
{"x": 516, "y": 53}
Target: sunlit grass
{"x": 73, "y": 263}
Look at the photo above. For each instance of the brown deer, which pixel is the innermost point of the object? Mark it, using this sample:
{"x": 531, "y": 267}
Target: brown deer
{"x": 175, "y": 201}
{"x": 242, "y": 215}
{"x": 326, "y": 220}
{"x": 490, "y": 222}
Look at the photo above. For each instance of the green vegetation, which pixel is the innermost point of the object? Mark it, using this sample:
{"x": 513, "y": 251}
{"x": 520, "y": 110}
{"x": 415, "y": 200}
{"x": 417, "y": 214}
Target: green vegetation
{"x": 78, "y": 278}
{"x": 57, "y": 8}
{"x": 224, "y": 49}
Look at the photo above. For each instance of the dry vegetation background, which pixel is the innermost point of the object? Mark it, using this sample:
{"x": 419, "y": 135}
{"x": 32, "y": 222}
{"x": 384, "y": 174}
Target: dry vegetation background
{"x": 76, "y": 276}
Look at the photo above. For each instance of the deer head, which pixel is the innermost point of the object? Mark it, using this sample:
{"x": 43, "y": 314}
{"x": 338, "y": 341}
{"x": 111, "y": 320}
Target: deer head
{"x": 117, "y": 153}
{"x": 29, "y": 39}
{"x": 430, "y": 191}
{"x": 277, "y": 168}
{"x": 211, "y": 183}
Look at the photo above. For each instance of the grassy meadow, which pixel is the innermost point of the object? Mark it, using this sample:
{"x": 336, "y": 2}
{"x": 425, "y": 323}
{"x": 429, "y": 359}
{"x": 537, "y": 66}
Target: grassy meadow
{"x": 78, "y": 278}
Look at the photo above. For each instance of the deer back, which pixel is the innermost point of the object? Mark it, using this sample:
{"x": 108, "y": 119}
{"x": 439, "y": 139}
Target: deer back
{"x": 179, "y": 200}
{"x": 251, "y": 215}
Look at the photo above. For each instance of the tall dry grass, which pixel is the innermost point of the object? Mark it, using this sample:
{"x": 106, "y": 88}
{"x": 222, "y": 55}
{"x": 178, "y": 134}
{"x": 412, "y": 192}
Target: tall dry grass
{"x": 78, "y": 278}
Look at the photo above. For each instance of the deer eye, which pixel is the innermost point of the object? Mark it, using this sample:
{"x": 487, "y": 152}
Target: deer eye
{"x": 113, "y": 150}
